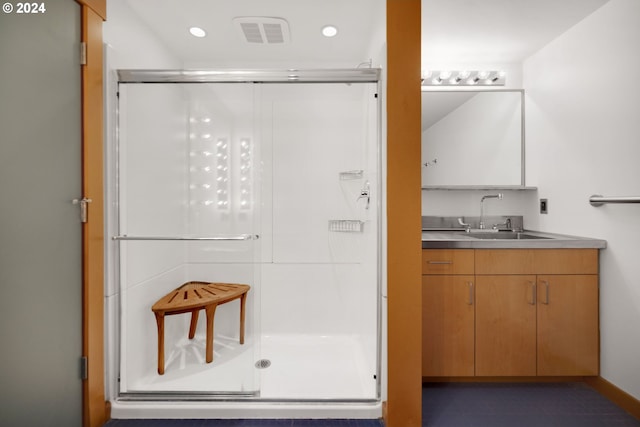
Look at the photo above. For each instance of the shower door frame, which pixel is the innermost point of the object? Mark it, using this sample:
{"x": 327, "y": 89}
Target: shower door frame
{"x": 319, "y": 76}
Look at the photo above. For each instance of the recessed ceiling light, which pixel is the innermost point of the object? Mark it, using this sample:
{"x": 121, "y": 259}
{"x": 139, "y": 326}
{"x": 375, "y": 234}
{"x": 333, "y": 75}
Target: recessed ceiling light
{"x": 329, "y": 31}
{"x": 197, "y": 32}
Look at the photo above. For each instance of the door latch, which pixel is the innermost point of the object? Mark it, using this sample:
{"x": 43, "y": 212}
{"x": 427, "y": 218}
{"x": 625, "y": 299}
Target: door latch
{"x": 83, "y": 207}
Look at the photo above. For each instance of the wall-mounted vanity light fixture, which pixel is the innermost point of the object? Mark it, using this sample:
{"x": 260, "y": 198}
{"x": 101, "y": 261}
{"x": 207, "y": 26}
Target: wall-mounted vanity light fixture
{"x": 463, "y": 78}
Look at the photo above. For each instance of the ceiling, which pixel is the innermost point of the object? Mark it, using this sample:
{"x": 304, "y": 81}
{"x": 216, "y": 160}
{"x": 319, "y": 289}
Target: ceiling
{"x": 495, "y": 31}
{"x": 360, "y": 24}
{"x": 453, "y": 30}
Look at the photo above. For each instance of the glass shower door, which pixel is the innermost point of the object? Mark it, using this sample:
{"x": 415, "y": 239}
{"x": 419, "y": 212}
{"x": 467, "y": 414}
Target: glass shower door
{"x": 188, "y": 214}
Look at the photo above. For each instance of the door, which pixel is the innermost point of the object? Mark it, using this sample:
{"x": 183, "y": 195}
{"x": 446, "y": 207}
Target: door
{"x": 188, "y": 211}
{"x": 448, "y": 336}
{"x": 505, "y": 325}
{"x": 40, "y": 231}
{"x": 568, "y": 325}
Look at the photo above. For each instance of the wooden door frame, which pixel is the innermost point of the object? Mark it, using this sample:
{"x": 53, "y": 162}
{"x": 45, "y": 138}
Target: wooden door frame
{"x": 404, "y": 246}
{"x": 95, "y": 410}
{"x": 403, "y": 407}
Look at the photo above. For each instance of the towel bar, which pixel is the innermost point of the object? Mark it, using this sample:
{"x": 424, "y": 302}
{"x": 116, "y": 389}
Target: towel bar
{"x": 599, "y": 200}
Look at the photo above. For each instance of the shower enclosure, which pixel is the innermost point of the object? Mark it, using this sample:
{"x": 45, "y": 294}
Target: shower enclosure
{"x": 264, "y": 178}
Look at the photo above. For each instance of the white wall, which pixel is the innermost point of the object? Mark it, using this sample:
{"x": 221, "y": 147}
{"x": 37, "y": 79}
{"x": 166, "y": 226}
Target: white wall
{"x": 133, "y": 44}
{"x": 467, "y": 203}
{"x": 583, "y": 138}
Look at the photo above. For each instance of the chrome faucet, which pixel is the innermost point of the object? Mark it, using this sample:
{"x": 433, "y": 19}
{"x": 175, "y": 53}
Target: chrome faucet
{"x": 488, "y": 196}
{"x": 467, "y": 226}
{"x": 507, "y": 224}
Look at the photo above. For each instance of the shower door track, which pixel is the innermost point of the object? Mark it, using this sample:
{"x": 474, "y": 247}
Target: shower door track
{"x": 253, "y": 397}
{"x": 350, "y": 75}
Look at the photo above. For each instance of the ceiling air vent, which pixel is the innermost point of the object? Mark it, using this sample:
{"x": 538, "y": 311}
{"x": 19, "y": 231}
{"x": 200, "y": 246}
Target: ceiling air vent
{"x": 263, "y": 30}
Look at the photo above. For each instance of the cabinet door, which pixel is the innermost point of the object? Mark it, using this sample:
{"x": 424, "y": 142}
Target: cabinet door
{"x": 447, "y": 325}
{"x": 506, "y": 325}
{"x": 568, "y": 339}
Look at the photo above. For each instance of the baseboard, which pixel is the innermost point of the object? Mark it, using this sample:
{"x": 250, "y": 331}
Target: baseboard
{"x": 616, "y": 395}
{"x": 566, "y": 379}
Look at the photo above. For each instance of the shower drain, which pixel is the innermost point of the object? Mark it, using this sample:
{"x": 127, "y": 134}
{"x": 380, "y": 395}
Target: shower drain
{"x": 263, "y": 363}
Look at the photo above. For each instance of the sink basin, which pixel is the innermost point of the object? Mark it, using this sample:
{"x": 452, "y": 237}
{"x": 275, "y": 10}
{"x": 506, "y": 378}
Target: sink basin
{"x": 500, "y": 235}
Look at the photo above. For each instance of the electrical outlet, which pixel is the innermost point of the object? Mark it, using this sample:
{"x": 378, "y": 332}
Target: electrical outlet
{"x": 544, "y": 206}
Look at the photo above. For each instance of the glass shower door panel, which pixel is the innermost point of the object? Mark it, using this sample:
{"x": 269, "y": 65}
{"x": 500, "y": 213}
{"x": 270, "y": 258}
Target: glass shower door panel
{"x": 322, "y": 232}
{"x": 187, "y": 217}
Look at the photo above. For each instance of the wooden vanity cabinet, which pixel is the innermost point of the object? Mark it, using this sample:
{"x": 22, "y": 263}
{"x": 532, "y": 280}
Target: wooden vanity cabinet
{"x": 448, "y": 297}
{"x": 513, "y": 312}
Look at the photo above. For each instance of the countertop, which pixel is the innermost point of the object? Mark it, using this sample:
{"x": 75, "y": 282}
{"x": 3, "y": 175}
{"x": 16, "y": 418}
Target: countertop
{"x": 436, "y": 239}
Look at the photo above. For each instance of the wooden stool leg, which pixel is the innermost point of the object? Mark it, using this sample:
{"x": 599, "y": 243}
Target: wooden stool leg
{"x": 194, "y": 323}
{"x": 211, "y": 311}
{"x": 160, "y": 323}
{"x": 243, "y": 300}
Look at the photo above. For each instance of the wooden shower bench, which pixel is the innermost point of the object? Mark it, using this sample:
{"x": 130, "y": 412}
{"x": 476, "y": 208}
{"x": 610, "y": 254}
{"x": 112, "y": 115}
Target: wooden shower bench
{"x": 191, "y": 298}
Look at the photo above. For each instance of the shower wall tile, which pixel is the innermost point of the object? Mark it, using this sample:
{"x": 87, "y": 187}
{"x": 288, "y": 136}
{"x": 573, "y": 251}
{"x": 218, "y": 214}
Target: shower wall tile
{"x": 316, "y": 298}
{"x": 313, "y": 141}
{"x": 153, "y": 160}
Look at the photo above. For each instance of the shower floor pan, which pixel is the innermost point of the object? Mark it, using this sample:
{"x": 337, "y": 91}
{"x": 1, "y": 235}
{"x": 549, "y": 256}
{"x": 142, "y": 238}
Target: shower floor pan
{"x": 290, "y": 367}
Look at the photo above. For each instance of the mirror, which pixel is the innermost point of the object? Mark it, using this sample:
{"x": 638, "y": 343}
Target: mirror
{"x": 473, "y": 138}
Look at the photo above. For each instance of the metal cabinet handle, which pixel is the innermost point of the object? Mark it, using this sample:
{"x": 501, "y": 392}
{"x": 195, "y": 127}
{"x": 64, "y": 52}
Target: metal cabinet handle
{"x": 470, "y": 301}
{"x": 440, "y": 262}
{"x": 534, "y": 292}
{"x": 546, "y": 291}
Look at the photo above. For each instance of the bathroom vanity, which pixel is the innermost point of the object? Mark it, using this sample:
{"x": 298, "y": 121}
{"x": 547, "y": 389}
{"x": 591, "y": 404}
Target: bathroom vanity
{"x": 508, "y": 306}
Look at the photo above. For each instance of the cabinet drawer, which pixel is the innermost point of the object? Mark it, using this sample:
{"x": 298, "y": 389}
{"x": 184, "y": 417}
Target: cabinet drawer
{"x": 566, "y": 261}
{"x": 505, "y": 261}
{"x": 536, "y": 261}
{"x": 447, "y": 261}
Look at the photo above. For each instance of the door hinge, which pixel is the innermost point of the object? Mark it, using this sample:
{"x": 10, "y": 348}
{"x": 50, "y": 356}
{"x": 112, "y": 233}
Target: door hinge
{"x": 83, "y": 53}
{"x": 84, "y": 206}
{"x": 84, "y": 368}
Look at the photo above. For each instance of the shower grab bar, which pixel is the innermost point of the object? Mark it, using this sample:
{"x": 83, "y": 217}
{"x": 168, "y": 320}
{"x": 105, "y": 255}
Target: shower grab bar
{"x": 211, "y": 238}
{"x": 599, "y": 200}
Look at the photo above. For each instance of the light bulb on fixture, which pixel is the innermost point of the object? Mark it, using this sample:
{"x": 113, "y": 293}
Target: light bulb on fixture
{"x": 427, "y": 74}
{"x": 463, "y": 78}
